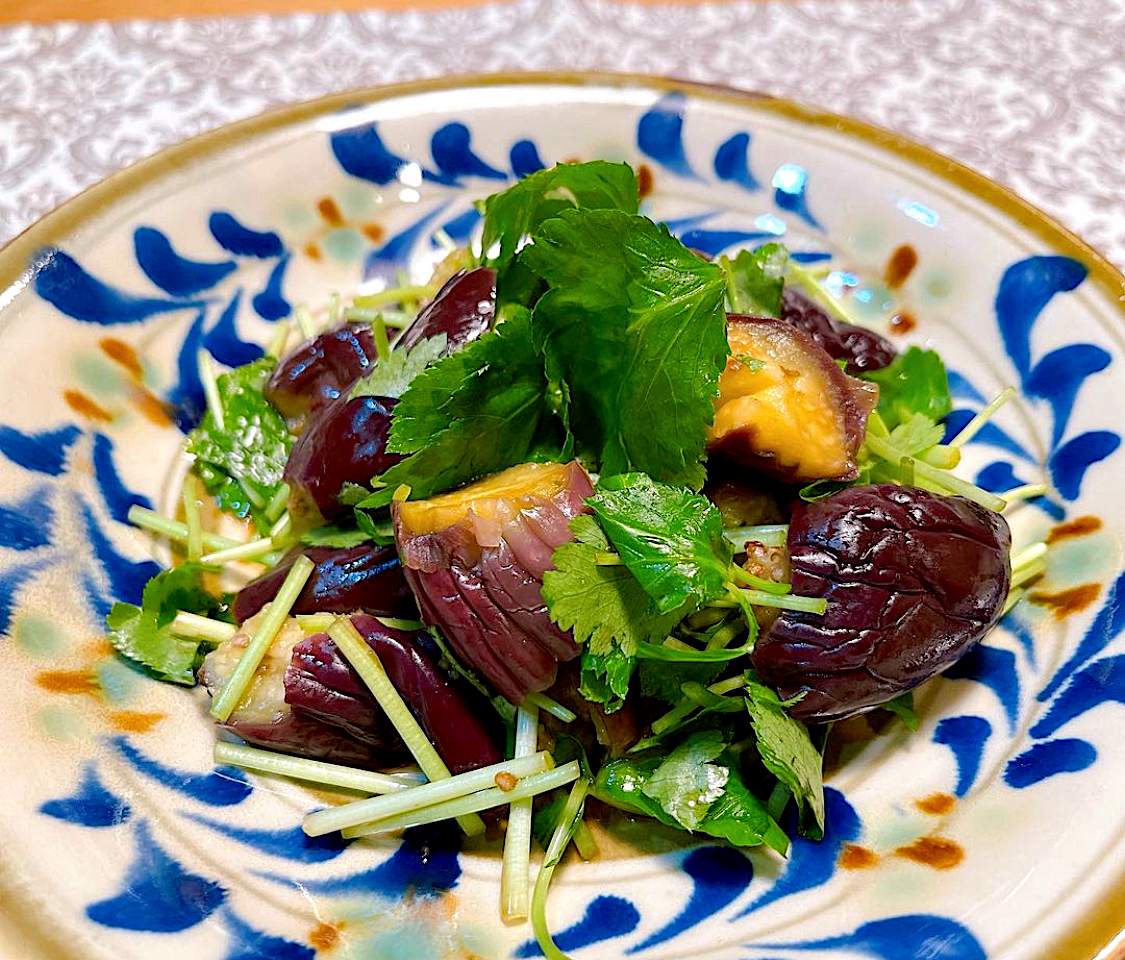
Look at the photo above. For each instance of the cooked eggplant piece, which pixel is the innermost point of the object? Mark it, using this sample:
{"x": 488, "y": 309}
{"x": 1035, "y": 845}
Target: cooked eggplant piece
{"x": 265, "y": 718}
{"x": 462, "y": 309}
{"x": 860, "y": 349}
{"x": 913, "y": 579}
{"x": 475, "y": 559}
{"x": 306, "y": 699}
{"x": 321, "y": 369}
{"x": 785, "y": 407}
{"x": 364, "y": 577}
{"x": 345, "y": 444}
{"x": 462, "y": 726}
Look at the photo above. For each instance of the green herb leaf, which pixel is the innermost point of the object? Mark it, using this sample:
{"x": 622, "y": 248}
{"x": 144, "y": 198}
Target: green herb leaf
{"x": 740, "y": 817}
{"x": 670, "y": 539}
{"x": 634, "y": 324}
{"x": 687, "y": 783}
{"x": 516, "y": 212}
{"x": 786, "y": 748}
{"x": 143, "y": 633}
{"x": 902, "y": 707}
{"x": 915, "y": 382}
{"x": 602, "y": 605}
{"x": 241, "y": 464}
{"x": 472, "y": 413}
{"x": 756, "y": 279}
{"x": 392, "y": 374}
{"x": 605, "y": 677}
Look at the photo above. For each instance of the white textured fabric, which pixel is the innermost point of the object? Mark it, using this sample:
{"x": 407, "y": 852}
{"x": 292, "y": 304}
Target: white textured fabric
{"x": 1031, "y": 93}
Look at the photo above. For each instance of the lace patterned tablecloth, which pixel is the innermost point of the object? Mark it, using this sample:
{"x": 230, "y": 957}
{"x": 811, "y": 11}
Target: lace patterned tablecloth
{"x": 1031, "y": 93}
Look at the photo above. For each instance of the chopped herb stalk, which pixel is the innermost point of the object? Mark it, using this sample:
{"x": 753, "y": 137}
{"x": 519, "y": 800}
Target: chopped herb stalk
{"x": 251, "y": 550}
{"x": 320, "y": 772}
{"x": 207, "y": 378}
{"x": 425, "y": 795}
{"x": 1028, "y": 491}
{"x": 192, "y": 519}
{"x": 769, "y": 535}
{"x": 762, "y": 598}
{"x": 515, "y": 867}
{"x": 305, "y": 322}
{"x": 950, "y": 483}
{"x": 547, "y": 705}
{"x": 154, "y": 522}
{"x": 239, "y": 680}
{"x": 367, "y": 665}
{"x": 564, "y": 830}
{"x": 187, "y": 624}
{"x": 973, "y": 427}
{"x": 473, "y": 803}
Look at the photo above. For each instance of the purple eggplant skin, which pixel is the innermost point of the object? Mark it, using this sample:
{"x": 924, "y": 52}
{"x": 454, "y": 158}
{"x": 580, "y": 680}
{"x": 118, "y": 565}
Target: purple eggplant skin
{"x": 364, "y": 577}
{"x": 321, "y": 369}
{"x": 462, "y": 309}
{"x": 475, "y": 559}
{"x": 861, "y": 349}
{"x": 913, "y": 579}
{"x": 462, "y": 726}
{"x": 346, "y": 443}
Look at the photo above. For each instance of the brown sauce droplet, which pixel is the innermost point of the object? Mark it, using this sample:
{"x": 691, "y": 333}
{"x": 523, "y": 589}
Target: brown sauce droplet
{"x": 644, "y": 180}
{"x": 324, "y": 936}
{"x": 328, "y": 209}
{"x": 374, "y": 231}
{"x": 936, "y": 804}
{"x": 85, "y": 407}
{"x": 120, "y": 352}
{"x": 903, "y": 322}
{"x": 312, "y": 251}
{"x": 1078, "y": 527}
{"x": 1066, "y": 602}
{"x": 133, "y": 721}
{"x": 936, "y": 852}
{"x": 900, "y": 265}
{"x": 68, "y": 681}
{"x": 855, "y": 857}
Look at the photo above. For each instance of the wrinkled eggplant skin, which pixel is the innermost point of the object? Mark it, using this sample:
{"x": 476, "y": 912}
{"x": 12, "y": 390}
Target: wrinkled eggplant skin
{"x": 463, "y": 728}
{"x": 913, "y": 579}
{"x": 861, "y": 349}
{"x": 486, "y": 597}
{"x": 462, "y": 309}
{"x": 345, "y": 443}
{"x": 364, "y": 577}
{"x": 320, "y": 369}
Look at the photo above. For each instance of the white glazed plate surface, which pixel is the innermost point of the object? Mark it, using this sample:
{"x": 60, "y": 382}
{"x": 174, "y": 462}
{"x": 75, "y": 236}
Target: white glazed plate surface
{"x": 996, "y": 830}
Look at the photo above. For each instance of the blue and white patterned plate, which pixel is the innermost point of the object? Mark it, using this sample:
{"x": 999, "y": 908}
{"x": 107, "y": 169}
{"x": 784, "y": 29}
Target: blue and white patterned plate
{"x": 997, "y": 830}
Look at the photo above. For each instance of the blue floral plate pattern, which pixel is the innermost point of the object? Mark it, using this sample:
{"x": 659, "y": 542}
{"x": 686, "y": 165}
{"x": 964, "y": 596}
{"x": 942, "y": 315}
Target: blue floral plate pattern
{"x": 996, "y": 830}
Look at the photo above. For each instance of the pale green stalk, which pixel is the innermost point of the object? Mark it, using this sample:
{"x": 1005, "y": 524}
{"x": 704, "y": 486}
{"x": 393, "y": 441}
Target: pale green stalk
{"x": 427, "y": 795}
{"x": 516, "y": 864}
{"x": 315, "y": 771}
{"x": 209, "y": 380}
{"x": 472, "y": 804}
{"x": 564, "y": 830}
{"x": 370, "y": 669}
{"x": 973, "y": 427}
{"x": 267, "y": 629}
{"x": 202, "y": 628}
{"x": 154, "y": 522}
{"x": 553, "y": 707}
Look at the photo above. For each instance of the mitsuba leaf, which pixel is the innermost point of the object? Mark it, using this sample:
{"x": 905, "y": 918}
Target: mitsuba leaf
{"x": 393, "y": 374}
{"x": 143, "y": 633}
{"x": 914, "y": 383}
{"x": 670, "y": 539}
{"x": 602, "y": 605}
{"x": 740, "y": 817}
{"x": 786, "y": 749}
{"x": 605, "y": 677}
{"x": 473, "y": 413}
{"x": 634, "y": 324}
{"x": 515, "y": 213}
{"x": 756, "y": 279}
{"x": 686, "y": 783}
{"x": 241, "y": 464}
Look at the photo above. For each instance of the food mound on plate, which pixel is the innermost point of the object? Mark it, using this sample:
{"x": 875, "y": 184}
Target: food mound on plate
{"x": 590, "y": 516}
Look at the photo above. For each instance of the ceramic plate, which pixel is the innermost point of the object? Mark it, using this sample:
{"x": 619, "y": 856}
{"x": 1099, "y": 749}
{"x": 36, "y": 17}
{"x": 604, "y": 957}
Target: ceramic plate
{"x": 996, "y": 830}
